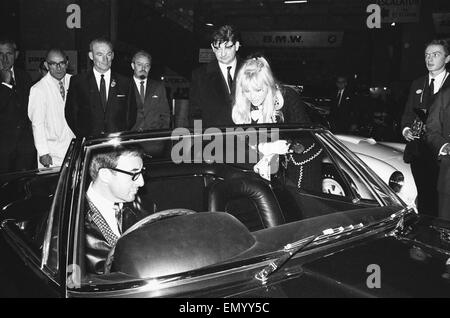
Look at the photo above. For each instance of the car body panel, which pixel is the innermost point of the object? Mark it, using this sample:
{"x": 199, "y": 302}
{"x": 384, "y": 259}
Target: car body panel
{"x": 384, "y": 158}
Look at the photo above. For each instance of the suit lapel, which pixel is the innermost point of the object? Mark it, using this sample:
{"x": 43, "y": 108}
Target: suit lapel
{"x": 101, "y": 224}
{"x": 217, "y": 80}
{"x": 112, "y": 90}
{"x": 149, "y": 92}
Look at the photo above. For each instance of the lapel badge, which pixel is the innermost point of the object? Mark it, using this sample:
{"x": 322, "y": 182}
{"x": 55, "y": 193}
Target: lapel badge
{"x": 113, "y": 83}
{"x": 419, "y": 91}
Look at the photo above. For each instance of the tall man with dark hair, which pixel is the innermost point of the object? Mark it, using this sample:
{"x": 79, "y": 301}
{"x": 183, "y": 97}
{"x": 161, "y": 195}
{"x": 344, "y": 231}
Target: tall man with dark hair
{"x": 17, "y": 150}
{"x": 418, "y": 152}
{"x": 148, "y": 96}
{"x": 212, "y": 85}
{"x": 97, "y": 101}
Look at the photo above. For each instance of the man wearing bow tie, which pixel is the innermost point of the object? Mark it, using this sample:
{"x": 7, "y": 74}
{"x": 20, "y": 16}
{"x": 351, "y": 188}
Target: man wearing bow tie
{"x": 112, "y": 205}
{"x": 212, "y": 85}
{"x": 46, "y": 105}
{"x": 418, "y": 152}
{"x": 148, "y": 96}
{"x": 97, "y": 101}
{"x": 17, "y": 150}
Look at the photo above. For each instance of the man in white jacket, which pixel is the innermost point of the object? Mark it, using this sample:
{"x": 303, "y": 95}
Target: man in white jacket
{"x": 46, "y": 105}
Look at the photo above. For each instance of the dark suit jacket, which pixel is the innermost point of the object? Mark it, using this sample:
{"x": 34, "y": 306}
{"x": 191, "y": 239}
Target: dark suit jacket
{"x": 99, "y": 238}
{"x": 209, "y": 96}
{"x": 84, "y": 111}
{"x": 14, "y": 107}
{"x": 417, "y": 91}
{"x": 155, "y": 112}
{"x": 344, "y": 114}
{"x": 438, "y": 133}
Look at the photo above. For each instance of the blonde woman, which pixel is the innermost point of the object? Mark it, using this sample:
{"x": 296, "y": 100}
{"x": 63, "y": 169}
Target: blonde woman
{"x": 259, "y": 99}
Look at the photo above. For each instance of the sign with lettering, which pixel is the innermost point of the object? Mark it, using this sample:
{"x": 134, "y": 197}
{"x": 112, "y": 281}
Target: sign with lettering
{"x": 399, "y": 11}
{"x": 442, "y": 22}
{"x": 296, "y": 39}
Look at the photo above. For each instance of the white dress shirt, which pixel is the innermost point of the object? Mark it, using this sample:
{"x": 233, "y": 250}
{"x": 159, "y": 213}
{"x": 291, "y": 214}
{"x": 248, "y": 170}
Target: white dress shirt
{"x": 105, "y": 207}
{"x": 138, "y": 84}
{"x": 46, "y": 106}
{"x": 224, "y": 70}
{"x": 107, "y": 77}
{"x": 438, "y": 80}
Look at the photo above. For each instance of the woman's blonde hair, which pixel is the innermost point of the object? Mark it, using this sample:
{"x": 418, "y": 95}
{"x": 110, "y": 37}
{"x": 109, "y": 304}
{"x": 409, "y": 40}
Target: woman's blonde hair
{"x": 255, "y": 73}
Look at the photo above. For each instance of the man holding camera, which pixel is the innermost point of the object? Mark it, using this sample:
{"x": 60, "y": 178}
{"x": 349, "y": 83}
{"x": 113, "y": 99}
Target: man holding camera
{"x": 418, "y": 152}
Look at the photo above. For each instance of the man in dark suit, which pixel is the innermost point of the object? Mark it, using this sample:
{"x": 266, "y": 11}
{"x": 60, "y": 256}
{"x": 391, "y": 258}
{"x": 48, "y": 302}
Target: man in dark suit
{"x": 148, "y": 96}
{"x": 418, "y": 152}
{"x": 212, "y": 85}
{"x": 97, "y": 101}
{"x": 17, "y": 151}
{"x": 341, "y": 112}
{"x": 112, "y": 205}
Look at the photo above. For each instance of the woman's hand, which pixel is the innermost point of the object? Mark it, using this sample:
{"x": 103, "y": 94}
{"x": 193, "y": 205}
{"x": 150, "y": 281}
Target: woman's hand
{"x": 279, "y": 147}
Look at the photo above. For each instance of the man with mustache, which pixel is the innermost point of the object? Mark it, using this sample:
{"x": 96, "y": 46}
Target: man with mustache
{"x": 112, "y": 205}
{"x": 97, "y": 101}
{"x": 147, "y": 96}
{"x": 418, "y": 152}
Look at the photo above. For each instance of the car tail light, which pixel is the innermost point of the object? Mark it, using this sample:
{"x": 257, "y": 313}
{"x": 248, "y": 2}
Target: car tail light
{"x": 396, "y": 181}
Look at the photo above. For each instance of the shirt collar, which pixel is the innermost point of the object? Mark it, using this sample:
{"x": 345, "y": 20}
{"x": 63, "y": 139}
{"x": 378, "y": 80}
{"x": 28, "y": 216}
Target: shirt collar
{"x": 97, "y": 74}
{"x": 138, "y": 81}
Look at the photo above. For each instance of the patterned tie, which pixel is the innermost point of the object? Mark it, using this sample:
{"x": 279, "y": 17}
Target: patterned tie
{"x": 142, "y": 91}
{"x": 229, "y": 78}
{"x": 103, "y": 91}
{"x": 62, "y": 90}
{"x": 118, "y": 214}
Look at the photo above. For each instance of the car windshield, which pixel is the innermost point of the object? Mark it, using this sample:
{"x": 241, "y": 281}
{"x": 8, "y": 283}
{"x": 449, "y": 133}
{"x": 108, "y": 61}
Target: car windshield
{"x": 218, "y": 199}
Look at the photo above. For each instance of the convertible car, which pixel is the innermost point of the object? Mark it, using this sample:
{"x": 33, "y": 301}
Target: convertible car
{"x": 230, "y": 215}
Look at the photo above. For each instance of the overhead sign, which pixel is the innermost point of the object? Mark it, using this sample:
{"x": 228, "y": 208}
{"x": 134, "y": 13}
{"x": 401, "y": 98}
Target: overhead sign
{"x": 442, "y": 22}
{"x": 303, "y": 39}
{"x": 34, "y": 58}
{"x": 206, "y": 56}
{"x": 399, "y": 11}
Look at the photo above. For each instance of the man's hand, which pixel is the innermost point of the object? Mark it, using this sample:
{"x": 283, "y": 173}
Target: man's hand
{"x": 46, "y": 160}
{"x": 407, "y": 133}
{"x": 445, "y": 151}
{"x": 279, "y": 147}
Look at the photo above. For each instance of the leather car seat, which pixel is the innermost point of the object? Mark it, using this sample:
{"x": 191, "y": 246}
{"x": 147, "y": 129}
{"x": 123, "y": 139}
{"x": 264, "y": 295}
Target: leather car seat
{"x": 248, "y": 199}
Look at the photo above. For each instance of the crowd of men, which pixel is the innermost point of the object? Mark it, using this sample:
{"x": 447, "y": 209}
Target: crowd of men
{"x": 37, "y": 123}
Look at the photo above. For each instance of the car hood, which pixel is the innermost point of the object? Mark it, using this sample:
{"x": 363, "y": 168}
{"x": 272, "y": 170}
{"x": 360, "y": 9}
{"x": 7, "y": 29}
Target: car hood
{"x": 415, "y": 263}
{"x": 369, "y": 147}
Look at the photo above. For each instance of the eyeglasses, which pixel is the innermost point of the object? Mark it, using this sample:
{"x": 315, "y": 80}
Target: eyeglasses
{"x": 134, "y": 175}
{"x": 57, "y": 64}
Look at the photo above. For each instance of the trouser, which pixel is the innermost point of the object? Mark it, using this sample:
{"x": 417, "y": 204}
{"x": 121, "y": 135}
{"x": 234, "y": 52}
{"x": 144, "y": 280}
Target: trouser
{"x": 444, "y": 206}
{"x": 425, "y": 170}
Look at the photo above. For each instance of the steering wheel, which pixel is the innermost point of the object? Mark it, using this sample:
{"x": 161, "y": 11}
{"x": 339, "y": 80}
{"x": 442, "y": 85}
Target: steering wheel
{"x": 155, "y": 217}
{"x": 158, "y": 216}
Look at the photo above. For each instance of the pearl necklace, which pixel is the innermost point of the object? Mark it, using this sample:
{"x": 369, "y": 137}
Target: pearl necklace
{"x": 290, "y": 157}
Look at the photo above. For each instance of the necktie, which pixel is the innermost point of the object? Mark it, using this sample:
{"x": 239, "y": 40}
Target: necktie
{"x": 432, "y": 87}
{"x": 339, "y": 97}
{"x": 62, "y": 90}
{"x": 142, "y": 91}
{"x": 229, "y": 78}
{"x": 118, "y": 214}
{"x": 103, "y": 90}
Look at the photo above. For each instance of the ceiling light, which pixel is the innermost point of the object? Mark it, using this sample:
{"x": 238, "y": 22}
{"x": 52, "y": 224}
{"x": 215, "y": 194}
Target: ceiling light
{"x": 295, "y": 1}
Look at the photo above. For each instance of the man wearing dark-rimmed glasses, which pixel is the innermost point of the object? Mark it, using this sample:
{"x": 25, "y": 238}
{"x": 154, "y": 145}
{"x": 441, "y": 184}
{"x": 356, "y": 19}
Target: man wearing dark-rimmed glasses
{"x": 212, "y": 85}
{"x": 112, "y": 205}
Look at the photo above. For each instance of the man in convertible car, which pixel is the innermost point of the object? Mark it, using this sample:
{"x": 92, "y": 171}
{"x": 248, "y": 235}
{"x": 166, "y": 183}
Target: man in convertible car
{"x": 111, "y": 202}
